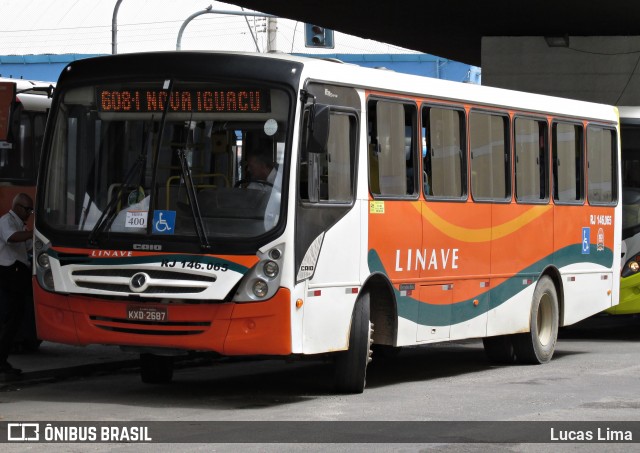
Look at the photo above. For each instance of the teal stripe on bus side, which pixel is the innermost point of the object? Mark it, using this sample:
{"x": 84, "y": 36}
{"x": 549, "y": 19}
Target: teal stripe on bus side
{"x": 461, "y": 311}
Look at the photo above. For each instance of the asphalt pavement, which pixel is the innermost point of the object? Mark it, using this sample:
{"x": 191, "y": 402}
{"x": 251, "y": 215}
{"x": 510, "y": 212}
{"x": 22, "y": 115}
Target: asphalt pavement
{"x": 57, "y": 361}
{"x": 52, "y": 361}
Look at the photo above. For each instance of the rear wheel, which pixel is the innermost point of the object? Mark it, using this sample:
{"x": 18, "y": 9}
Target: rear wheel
{"x": 538, "y": 345}
{"x": 384, "y": 351}
{"x": 156, "y": 369}
{"x": 351, "y": 365}
{"x": 499, "y": 349}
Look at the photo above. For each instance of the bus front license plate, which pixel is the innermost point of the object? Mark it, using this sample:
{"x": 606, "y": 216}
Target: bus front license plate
{"x": 154, "y": 314}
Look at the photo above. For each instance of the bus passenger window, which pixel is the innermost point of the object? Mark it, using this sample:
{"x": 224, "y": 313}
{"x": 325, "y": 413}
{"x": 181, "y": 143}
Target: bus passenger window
{"x": 490, "y": 167}
{"x": 442, "y": 153}
{"x": 601, "y": 165}
{"x": 567, "y": 165}
{"x": 531, "y": 160}
{"x": 391, "y": 148}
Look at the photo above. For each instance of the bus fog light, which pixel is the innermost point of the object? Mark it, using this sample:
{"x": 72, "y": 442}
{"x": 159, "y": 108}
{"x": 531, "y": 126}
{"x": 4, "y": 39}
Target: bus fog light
{"x": 274, "y": 254}
{"x": 634, "y": 266}
{"x": 271, "y": 269}
{"x": 38, "y": 245}
{"x": 43, "y": 260}
{"x": 47, "y": 279}
{"x": 260, "y": 288}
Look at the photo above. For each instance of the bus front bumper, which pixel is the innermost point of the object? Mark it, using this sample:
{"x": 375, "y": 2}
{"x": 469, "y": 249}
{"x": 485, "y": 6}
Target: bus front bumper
{"x": 254, "y": 328}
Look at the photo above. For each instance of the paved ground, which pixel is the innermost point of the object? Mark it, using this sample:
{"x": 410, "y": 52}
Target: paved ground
{"x": 593, "y": 378}
{"x": 54, "y": 360}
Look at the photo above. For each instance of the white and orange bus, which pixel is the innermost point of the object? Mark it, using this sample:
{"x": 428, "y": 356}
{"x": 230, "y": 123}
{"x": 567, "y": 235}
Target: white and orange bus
{"x": 398, "y": 210}
{"x": 23, "y": 114}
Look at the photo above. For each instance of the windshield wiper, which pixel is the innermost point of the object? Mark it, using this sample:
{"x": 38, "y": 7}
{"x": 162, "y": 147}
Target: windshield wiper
{"x": 192, "y": 197}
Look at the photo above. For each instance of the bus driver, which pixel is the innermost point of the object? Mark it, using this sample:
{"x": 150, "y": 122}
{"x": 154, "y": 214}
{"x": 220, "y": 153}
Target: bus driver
{"x": 262, "y": 171}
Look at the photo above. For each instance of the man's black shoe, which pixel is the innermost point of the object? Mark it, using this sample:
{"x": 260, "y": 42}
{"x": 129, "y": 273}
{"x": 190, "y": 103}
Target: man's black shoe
{"x": 6, "y": 368}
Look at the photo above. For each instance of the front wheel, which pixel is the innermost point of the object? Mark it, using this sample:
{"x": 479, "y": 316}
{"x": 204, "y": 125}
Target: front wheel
{"x": 351, "y": 365}
{"x": 537, "y": 346}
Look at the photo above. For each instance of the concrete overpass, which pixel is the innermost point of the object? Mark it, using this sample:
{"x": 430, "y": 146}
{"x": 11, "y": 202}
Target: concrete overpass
{"x": 597, "y": 59}
{"x": 454, "y": 28}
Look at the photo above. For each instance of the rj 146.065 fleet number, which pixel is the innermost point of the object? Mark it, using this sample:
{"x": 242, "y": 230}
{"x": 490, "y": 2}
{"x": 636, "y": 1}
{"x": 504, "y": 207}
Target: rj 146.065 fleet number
{"x": 222, "y": 267}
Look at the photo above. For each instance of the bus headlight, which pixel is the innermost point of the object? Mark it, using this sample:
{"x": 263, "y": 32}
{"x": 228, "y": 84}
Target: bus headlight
{"x": 271, "y": 269}
{"x": 262, "y": 281}
{"x": 43, "y": 261}
{"x": 275, "y": 254}
{"x": 48, "y": 278}
{"x": 260, "y": 288}
{"x": 631, "y": 268}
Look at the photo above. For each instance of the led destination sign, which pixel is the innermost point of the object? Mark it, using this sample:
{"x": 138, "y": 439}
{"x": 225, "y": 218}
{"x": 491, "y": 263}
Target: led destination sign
{"x": 193, "y": 100}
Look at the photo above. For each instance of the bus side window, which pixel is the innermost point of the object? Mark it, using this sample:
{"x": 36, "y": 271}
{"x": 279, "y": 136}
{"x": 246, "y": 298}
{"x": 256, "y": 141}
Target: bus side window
{"x": 568, "y": 163}
{"x": 335, "y": 169}
{"x": 601, "y": 165}
{"x": 303, "y": 163}
{"x": 490, "y": 166}
{"x": 531, "y": 155}
{"x": 391, "y": 148}
{"x": 443, "y": 155}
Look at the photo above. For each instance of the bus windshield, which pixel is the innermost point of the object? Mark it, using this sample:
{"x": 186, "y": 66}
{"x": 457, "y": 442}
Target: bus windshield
{"x": 22, "y": 117}
{"x": 630, "y": 178}
{"x": 167, "y": 158}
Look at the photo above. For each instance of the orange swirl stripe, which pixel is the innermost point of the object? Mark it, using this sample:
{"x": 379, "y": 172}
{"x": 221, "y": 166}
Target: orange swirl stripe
{"x": 479, "y": 234}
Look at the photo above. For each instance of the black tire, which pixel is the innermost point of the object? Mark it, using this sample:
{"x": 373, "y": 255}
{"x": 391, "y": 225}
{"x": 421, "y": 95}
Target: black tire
{"x": 351, "y": 365}
{"x": 31, "y": 345}
{"x": 500, "y": 349}
{"x": 538, "y": 345}
{"x": 156, "y": 369}
{"x": 384, "y": 351}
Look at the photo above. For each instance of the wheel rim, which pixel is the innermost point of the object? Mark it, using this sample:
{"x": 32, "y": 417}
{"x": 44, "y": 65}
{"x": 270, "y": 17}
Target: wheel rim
{"x": 545, "y": 319}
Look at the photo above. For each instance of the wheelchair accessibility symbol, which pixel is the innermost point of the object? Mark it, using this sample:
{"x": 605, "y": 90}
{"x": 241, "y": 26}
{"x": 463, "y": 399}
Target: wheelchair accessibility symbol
{"x": 586, "y": 241}
{"x": 164, "y": 222}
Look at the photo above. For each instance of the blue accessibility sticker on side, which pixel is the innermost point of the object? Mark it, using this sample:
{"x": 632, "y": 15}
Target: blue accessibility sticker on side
{"x": 586, "y": 240}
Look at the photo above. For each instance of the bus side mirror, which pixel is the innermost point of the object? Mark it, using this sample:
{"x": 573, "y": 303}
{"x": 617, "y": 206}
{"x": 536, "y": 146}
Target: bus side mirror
{"x": 318, "y": 134}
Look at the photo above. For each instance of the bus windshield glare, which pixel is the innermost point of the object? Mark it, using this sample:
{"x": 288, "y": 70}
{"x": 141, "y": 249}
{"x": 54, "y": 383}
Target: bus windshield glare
{"x": 168, "y": 158}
